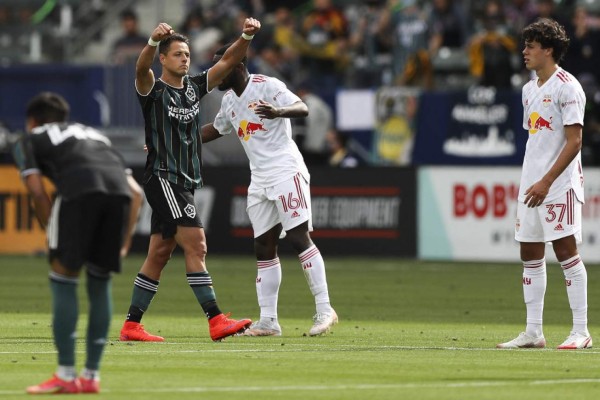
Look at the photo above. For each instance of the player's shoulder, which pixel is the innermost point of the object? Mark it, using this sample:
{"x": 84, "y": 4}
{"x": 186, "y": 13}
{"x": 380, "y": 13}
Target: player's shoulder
{"x": 46, "y": 128}
{"x": 260, "y": 79}
{"x": 566, "y": 83}
{"x": 198, "y": 79}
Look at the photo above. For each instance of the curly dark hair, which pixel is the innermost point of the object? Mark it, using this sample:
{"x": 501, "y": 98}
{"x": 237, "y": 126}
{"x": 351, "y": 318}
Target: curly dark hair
{"x": 550, "y": 35}
{"x": 163, "y": 47}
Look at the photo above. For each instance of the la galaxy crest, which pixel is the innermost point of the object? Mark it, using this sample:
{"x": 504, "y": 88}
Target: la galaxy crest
{"x": 190, "y": 94}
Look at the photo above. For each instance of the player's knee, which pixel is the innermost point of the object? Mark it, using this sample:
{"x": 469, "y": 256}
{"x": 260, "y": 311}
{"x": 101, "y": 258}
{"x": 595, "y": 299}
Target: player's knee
{"x": 162, "y": 254}
{"x": 198, "y": 249}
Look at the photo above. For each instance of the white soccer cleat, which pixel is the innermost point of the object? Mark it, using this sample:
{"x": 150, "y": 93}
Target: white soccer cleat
{"x": 323, "y": 322}
{"x": 576, "y": 341}
{"x": 524, "y": 341}
{"x": 264, "y": 327}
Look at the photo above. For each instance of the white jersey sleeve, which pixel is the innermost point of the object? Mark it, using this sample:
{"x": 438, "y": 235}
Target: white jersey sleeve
{"x": 221, "y": 122}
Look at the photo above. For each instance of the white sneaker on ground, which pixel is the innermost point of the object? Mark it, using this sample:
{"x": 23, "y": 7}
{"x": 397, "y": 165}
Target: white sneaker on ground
{"x": 576, "y": 341}
{"x": 524, "y": 341}
{"x": 264, "y": 327}
{"x": 323, "y": 322}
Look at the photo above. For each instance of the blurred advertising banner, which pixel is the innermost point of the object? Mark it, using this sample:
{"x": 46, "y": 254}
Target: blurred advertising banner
{"x": 480, "y": 126}
{"x": 20, "y": 232}
{"x": 355, "y": 211}
{"x": 395, "y": 125}
{"x": 468, "y": 213}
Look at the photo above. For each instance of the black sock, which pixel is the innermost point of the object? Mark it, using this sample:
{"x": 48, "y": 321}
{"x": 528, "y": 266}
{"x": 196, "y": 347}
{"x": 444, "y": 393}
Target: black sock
{"x": 134, "y": 314}
{"x": 211, "y": 309}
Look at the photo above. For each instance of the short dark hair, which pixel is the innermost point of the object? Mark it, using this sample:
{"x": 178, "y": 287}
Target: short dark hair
{"x": 223, "y": 49}
{"x": 163, "y": 47}
{"x": 48, "y": 107}
{"x": 550, "y": 34}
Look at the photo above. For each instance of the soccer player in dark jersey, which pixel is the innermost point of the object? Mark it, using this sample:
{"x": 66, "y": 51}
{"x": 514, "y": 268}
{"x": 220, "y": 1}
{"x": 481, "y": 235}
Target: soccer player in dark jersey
{"x": 171, "y": 108}
{"x": 90, "y": 222}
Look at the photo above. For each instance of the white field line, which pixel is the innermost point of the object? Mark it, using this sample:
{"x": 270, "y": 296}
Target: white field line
{"x": 151, "y": 348}
{"x": 358, "y": 386}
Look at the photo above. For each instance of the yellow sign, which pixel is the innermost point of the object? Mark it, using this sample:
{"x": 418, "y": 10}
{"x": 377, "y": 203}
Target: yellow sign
{"x": 20, "y": 232}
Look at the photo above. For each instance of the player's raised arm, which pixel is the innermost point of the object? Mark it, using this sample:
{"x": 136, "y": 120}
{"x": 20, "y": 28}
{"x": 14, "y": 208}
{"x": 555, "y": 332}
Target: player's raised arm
{"x": 144, "y": 77}
{"x": 234, "y": 54}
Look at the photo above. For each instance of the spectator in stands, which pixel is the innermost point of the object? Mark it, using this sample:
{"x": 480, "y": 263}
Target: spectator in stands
{"x": 340, "y": 156}
{"x": 128, "y": 47}
{"x": 270, "y": 62}
{"x": 583, "y": 55}
{"x": 368, "y": 42}
{"x": 518, "y": 13}
{"x": 325, "y": 32}
{"x": 590, "y": 151}
{"x": 411, "y": 61}
{"x": 284, "y": 35}
{"x": 449, "y": 26}
{"x": 547, "y": 9}
{"x": 491, "y": 50}
{"x": 203, "y": 38}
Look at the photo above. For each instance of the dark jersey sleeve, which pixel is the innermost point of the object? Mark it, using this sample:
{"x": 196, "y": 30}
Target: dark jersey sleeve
{"x": 24, "y": 156}
{"x": 202, "y": 81}
{"x": 147, "y": 100}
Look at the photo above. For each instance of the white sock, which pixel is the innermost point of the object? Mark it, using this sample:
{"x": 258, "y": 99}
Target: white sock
{"x": 66, "y": 373}
{"x": 268, "y": 280}
{"x": 314, "y": 271}
{"x": 534, "y": 289}
{"x": 576, "y": 281}
{"x": 91, "y": 374}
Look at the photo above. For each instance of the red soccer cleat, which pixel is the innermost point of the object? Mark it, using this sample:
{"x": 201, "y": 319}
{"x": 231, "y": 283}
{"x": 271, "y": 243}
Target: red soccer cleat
{"x": 89, "y": 385}
{"x": 221, "y": 326}
{"x": 55, "y": 385}
{"x": 134, "y": 331}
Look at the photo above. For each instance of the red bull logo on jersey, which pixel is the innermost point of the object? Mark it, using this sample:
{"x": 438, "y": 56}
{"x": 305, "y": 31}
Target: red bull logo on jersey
{"x": 537, "y": 123}
{"x": 547, "y": 100}
{"x": 247, "y": 129}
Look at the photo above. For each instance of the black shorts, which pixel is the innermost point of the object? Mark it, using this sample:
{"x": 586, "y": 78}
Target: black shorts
{"x": 88, "y": 230}
{"x": 172, "y": 205}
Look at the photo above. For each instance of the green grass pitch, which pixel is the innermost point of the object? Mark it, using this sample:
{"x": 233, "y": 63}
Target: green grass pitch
{"x": 408, "y": 330}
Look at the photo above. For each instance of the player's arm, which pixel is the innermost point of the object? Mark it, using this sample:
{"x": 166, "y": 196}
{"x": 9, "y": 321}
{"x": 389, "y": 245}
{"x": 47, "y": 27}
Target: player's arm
{"x": 209, "y": 133}
{"x": 144, "y": 77}
{"x": 134, "y": 211}
{"x": 269, "y": 111}
{"x": 42, "y": 204}
{"x": 535, "y": 195}
{"x": 233, "y": 56}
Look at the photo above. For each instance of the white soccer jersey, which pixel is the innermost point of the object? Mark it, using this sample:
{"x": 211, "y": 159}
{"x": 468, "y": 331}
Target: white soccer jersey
{"x": 558, "y": 102}
{"x": 274, "y": 156}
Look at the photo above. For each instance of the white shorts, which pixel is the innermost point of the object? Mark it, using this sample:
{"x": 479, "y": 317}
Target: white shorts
{"x": 550, "y": 221}
{"x": 287, "y": 203}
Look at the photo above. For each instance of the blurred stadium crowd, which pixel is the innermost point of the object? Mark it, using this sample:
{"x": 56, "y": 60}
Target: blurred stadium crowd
{"x": 320, "y": 46}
